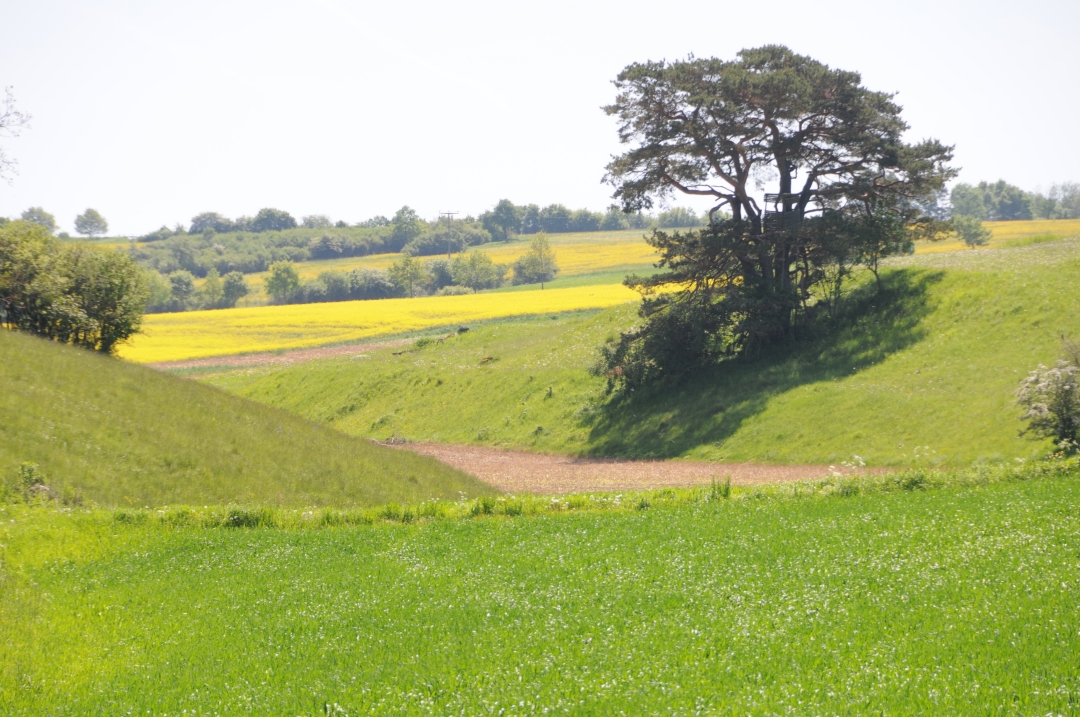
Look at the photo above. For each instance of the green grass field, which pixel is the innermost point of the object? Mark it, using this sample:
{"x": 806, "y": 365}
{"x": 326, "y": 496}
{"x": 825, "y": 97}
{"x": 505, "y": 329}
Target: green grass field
{"x": 117, "y": 434}
{"x": 957, "y": 600}
{"x": 925, "y": 373}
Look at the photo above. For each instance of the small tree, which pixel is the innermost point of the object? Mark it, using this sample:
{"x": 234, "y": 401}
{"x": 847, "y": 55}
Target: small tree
{"x": 106, "y": 292}
{"x": 506, "y": 217}
{"x": 538, "y": 264}
{"x": 407, "y": 225}
{"x": 90, "y": 223}
{"x": 476, "y": 271}
{"x": 272, "y": 220}
{"x": 233, "y": 288}
{"x": 283, "y": 281}
{"x": 408, "y": 275}
{"x": 182, "y": 287}
{"x": 971, "y": 231}
{"x": 212, "y": 291}
{"x": 37, "y": 215}
{"x": 210, "y": 220}
{"x": 1052, "y": 399}
{"x": 317, "y": 221}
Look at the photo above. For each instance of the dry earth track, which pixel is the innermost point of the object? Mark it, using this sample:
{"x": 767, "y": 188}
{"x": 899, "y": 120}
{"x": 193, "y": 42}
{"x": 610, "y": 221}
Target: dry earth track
{"x": 517, "y": 472}
{"x": 278, "y": 357}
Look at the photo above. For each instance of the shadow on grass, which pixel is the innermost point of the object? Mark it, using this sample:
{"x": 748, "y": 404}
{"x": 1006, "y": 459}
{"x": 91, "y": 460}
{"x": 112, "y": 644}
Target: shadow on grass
{"x": 710, "y": 406}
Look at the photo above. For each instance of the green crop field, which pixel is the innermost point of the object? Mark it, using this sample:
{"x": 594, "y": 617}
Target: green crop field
{"x": 117, "y": 434}
{"x": 925, "y": 374}
{"x": 956, "y": 600}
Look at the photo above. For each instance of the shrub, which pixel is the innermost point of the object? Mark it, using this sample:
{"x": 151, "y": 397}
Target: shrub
{"x": 1052, "y": 399}
{"x": 476, "y": 271}
{"x": 408, "y": 275}
{"x": 440, "y": 273}
{"x": 447, "y": 239}
{"x": 538, "y": 264}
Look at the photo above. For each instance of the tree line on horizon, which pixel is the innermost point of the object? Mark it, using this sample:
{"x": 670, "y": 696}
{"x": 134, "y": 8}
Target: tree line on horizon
{"x": 1000, "y": 201}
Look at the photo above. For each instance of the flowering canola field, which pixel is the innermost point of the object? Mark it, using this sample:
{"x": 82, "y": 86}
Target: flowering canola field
{"x": 576, "y": 254}
{"x": 199, "y": 334}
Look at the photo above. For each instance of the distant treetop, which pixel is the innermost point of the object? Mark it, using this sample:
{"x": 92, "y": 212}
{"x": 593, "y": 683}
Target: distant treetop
{"x": 37, "y": 215}
{"x": 90, "y": 223}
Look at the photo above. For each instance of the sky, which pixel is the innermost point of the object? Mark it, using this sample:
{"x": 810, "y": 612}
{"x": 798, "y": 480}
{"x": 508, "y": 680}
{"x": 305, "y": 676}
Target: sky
{"x": 152, "y": 111}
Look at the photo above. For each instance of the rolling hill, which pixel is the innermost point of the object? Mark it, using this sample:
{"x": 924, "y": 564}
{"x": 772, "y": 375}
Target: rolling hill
{"x": 118, "y": 434}
{"x": 923, "y": 373}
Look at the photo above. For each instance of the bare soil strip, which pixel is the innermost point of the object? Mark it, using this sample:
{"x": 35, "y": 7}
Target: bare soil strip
{"x": 266, "y": 359}
{"x": 518, "y": 472}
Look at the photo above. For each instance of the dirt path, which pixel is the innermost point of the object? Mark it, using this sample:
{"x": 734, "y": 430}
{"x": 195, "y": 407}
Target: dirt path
{"x": 265, "y": 359}
{"x": 521, "y": 472}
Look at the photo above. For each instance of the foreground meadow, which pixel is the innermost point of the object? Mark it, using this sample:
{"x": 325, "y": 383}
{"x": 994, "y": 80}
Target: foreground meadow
{"x": 956, "y": 600}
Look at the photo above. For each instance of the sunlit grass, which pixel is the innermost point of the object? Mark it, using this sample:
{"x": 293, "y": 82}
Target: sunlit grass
{"x": 107, "y": 431}
{"x": 958, "y": 600}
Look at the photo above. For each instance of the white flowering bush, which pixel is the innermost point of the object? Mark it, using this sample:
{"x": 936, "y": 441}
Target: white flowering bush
{"x": 1052, "y": 399}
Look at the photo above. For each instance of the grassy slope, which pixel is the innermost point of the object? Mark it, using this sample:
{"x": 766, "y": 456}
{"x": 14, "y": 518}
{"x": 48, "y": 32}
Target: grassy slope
{"x": 952, "y": 601}
{"x": 927, "y": 374}
{"x": 121, "y": 434}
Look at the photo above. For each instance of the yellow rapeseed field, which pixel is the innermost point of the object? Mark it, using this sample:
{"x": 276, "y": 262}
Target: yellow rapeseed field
{"x": 1003, "y": 233}
{"x": 576, "y": 254}
{"x": 199, "y": 334}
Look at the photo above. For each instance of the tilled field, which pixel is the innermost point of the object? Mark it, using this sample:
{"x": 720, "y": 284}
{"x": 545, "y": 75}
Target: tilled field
{"x": 521, "y": 472}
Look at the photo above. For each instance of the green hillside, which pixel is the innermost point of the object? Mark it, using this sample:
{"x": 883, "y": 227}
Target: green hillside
{"x": 925, "y": 373}
{"x": 119, "y": 434}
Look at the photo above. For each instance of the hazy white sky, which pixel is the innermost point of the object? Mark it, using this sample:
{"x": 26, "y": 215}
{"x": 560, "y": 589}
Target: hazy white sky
{"x": 152, "y": 112}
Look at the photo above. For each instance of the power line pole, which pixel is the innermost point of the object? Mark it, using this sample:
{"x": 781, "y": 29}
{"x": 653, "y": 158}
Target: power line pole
{"x": 449, "y": 216}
